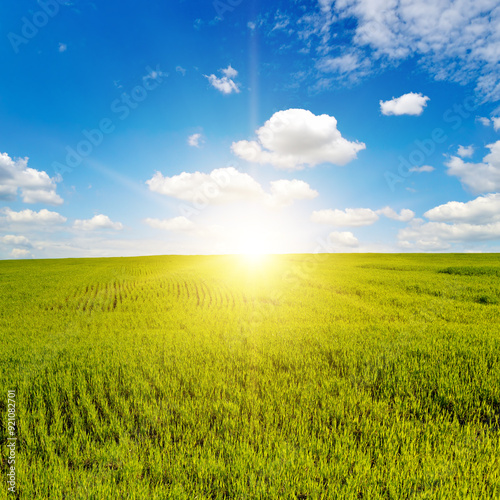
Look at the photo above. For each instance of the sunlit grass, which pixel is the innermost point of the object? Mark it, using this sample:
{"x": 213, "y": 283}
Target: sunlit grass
{"x": 292, "y": 376}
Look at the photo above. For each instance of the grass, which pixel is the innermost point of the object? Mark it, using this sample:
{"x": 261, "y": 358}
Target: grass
{"x": 472, "y": 271}
{"x": 300, "y": 376}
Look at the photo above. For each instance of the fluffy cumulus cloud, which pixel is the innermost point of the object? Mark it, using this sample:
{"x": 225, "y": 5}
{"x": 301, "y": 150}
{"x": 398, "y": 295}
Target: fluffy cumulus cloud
{"x": 454, "y": 40}
{"x": 353, "y": 217}
{"x": 225, "y": 84}
{"x": 43, "y": 217}
{"x": 228, "y": 185}
{"x": 295, "y": 138}
{"x": 455, "y": 222}
{"x": 408, "y": 104}
{"x": 356, "y": 217}
{"x": 195, "y": 140}
{"x": 35, "y": 185}
{"x": 465, "y": 151}
{"x": 15, "y": 240}
{"x": 482, "y": 210}
{"x": 495, "y": 121}
{"x": 404, "y": 215}
{"x": 478, "y": 177}
{"x": 222, "y": 185}
{"x": 285, "y": 192}
{"x": 20, "y": 253}
{"x": 440, "y": 236}
{"x": 344, "y": 239}
{"x": 97, "y": 222}
{"x": 174, "y": 224}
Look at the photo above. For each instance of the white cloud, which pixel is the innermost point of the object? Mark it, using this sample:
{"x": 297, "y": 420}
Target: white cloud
{"x": 174, "y": 224}
{"x": 353, "y": 217}
{"x": 482, "y": 210}
{"x": 408, "y": 104}
{"x": 35, "y": 185}
{"x": 251, "y": 25}
{"x": 27, "y": 216}
{"x": 195, "y": 140}
{"x": 325, "y": 4}
{"x": 455, "y": 40}
{"x": 228, "y": 185}
{"x": 343, "y": 239}
{"x": 455, "y": 222}
{"x": 439, "y": 235}
{"x": 285, "y": 192}
{"x": 495, "y": 121}
{"x": 13, "y": 240}
{"x": 281, "y": 25}
{"x": 20, "y": 253}
{"x": 295, "y": 138}
{"x": 154, "y": 74}
{"x": 404, "y": 215}
{"x": 97, "y": 222}
{"x": 352, "y": 64}
{"x": 222, "y": 185}
{"x": 465, "y": 152}
{"x": 41, "y": 196}
{"x": 180, "y": 70}
{"x": 226, "y": 83}
{"x": 423, "y": 168}
{"x": 63, "y": 47}
{"x": 230, "y": 72}
{"x": 478, "y": 177}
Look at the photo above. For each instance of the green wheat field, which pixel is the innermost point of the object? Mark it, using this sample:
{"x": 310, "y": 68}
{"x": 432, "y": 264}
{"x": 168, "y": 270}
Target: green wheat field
{"x": 218, "y": 377}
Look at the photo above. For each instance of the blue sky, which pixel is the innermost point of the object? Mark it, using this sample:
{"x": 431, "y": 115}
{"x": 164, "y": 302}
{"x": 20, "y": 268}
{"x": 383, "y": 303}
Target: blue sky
{"x": 245, "y": 126}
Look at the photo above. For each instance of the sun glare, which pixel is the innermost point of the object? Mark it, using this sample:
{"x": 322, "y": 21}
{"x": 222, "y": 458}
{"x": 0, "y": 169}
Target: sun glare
{"x": 255, "y": 235}
{"x": 253, "y": 249}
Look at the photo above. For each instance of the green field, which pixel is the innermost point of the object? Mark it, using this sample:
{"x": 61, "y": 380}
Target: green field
{"x": 298, "y": 376}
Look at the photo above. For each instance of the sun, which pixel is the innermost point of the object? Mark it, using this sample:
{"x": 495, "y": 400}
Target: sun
{"x": 253, "y": 234}
{"x": 254, "y": 246}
